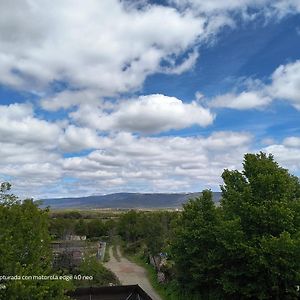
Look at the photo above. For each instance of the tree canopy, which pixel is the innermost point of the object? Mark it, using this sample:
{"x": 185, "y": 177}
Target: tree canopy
{"x": 25, "y": 251}
{"x": 249, "y": 246}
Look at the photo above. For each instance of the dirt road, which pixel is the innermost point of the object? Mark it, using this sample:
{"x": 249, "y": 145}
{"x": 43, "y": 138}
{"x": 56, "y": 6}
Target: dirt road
{"x": 130, "y": 273}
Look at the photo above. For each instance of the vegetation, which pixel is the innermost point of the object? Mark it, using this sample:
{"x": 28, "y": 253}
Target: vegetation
{"x": 25, "y": 251}
{"x": 249, "y": 247}
{"x": 92, "y": 228}
{"x": 149, "y": 231}
{"x": 115, "y": 253}
{"x": 106, "y": 255}
{"x": 91, "y": 267}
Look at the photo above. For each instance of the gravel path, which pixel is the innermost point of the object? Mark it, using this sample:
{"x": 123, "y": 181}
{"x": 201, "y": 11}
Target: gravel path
{"x": 130, "y": 273}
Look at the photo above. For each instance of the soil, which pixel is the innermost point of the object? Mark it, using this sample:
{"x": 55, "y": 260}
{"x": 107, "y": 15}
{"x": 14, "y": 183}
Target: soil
{"x": 130, "y": 273}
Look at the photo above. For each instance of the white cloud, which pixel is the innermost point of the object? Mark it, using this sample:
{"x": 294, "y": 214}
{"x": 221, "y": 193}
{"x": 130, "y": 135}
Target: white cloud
{"x": 104, "y": 48}
{"x": 19, "y": 125}
{"x": 76, "y": 139}
{"x": 160, "y": 164}
{"x": 20, "y": 128}
{"x": 268, "y": 141}
{"x": 268, "y": 7}
{"x": 90, "y": 50}
{"x": 146, "y": 114}
{"x": 124, "y": 162}
{"x": 13, "y": 153}
{"x": 31, "y": 149}
{"x": 68, "y": 99}
{"x": 225, "y": 139}
{"x": 286, "y": 83}
{"x": 34, "y": 171}
{"x": 287, "y": 156}
{"x": 244, "y": 100}
{"x": 186, "y": 65}
{"x": 292, "y": 141}
{"x": 99, "y": 45}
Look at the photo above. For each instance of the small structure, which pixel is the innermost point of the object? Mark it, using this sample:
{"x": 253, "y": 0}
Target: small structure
{"x": 128, "y": 292}
{"x": 101, "y": 250}
{"x": 158, "y": 261}
{"x": 73, "y": 237}
{"x": 68, "y": 259}
{"x": 68, "y": 253}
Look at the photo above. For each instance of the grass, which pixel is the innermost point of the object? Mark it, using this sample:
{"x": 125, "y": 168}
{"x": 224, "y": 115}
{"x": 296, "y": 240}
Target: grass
{"x": 115, "y": 253}
{"x": 106, "y": 254}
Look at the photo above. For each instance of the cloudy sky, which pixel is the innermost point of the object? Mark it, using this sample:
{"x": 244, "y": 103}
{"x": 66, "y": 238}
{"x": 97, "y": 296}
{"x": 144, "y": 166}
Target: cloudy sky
{"x": 144, "y": 96}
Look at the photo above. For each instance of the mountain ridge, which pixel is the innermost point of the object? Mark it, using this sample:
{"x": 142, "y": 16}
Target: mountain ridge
{"x": 124, "y": 200}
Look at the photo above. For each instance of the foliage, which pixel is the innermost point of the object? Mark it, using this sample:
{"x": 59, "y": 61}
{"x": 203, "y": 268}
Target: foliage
{"x": 146, "y": 230}
{"x": 25, "y": 250}
{"x": 129, "y": 226}
{"x": 60, "y": 227}
{"x": 249, "y": 247}
{"x": 81, "y": 227}
{"x": 115, "y": 253}
{"x": 101, "y": 276}
{"x": 96, "y": 228}
{"x": 66, "y": 214}
{"x": 194, "y": 248}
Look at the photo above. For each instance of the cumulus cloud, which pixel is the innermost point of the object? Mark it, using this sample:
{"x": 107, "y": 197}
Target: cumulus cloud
{"x": 162, "y": 161}
{"x": 77, "y": 138}
{"x": 287, "y": 155}
{"x": 19, "y": 124}
{"x": 285, "y": 85}
{"x": 124, "y": 162}
{"x": 292, "y": 141}
{"x": 100, "y": 45}
{"x": 28, "y": 150}
{"x": 146, "y": 114}
{"x": 244, "y": 100}
{"x": 77, "y": 57}
{"x": 31, "y": 149}
{"x": 67, "y": 99}
{"x": 50, "y": 42}
{"x": 269, "y": 7}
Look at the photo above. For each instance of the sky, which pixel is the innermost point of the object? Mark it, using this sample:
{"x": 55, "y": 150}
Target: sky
{"x": 110, "y": 96}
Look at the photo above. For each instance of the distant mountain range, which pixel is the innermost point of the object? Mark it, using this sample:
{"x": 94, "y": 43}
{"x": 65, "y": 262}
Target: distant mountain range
{"x": 124, "y": 200}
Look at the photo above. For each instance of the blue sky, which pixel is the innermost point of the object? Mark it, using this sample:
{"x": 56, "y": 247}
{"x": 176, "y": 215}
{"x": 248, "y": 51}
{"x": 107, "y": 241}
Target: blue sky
{"x": 145, "y": 96}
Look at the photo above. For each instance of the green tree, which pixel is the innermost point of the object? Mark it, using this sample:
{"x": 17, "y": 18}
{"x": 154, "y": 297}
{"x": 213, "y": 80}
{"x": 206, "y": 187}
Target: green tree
{"x": 96, "y": 228}
{"x": 81, "y": 227}
{"x": 194, "y": 247}
{"x": 60, "y": 227}
{"x": 263, "y": 200}
{"x": 152, "y": 234}
{"x": 24, "y": 249}
{"x": 129, "y": 226}
{"x": 249, "y": 247}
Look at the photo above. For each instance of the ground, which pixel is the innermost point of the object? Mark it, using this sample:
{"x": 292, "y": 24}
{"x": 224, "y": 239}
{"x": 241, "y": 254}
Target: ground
{"x": 130, "y": 273}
